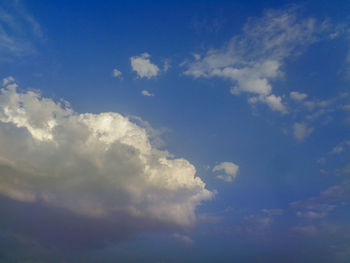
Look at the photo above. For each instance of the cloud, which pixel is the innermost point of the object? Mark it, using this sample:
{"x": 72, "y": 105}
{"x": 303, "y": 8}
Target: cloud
{"x": 297, "y": 96}
{"x": 273, "y": 212}
{"x": 117, "y": 73}
{"x": 166, "y": 65}
{"x": 147, "y": 93}
{"x": 19, "y": 31}
{"x": 143, "y": 66}
{"x": 254, "y": 225}
{"x": 341, "y": 147}
{"x": 314, "y": 215}
{"x": 321, "y": 206}
{"x": 301, "y": 131}
{"x": 8, "y": 80}
{"x": 252, "y": 60}
{"x": 183, "y": 239}
{"x": 94, "y": 165}
{"x": 229, "y": 169}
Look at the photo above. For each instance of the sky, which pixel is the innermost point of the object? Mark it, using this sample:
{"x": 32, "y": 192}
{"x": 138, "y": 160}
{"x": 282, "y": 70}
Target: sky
{"x": 174, "y": 131}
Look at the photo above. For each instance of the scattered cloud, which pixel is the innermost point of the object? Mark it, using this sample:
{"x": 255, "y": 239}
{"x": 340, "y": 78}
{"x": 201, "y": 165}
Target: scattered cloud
{"x": 117, "y": 73}
{"x": 252, "y": 60}
{"x": 341, "y": 147}
{"x": 143, "y": 66}
{"x": 297, "y": 96}
{"x": 316, "y": 215}
{"x": 147, "y": 93}
{"x": 301, "y": 131}
{"x": 94, "y": 165}
{"x": 254, "y": 225}
{"x": 321, "y": 206}
{"x": 229, "y": 171}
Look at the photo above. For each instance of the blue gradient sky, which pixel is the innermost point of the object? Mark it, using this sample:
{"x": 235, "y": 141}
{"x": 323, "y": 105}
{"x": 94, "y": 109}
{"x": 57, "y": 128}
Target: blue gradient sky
{"x": 232, "y": 143}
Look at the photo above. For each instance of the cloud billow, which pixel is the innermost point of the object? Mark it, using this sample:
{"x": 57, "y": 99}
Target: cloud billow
{"x": 94, "y": 165}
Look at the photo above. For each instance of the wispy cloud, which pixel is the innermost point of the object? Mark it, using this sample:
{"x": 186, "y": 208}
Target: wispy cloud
{"x": 255, "y": 58}
{"x": 19, "y": 31}
{"x": 321, "y": 206}
{"x": 183, "y": 239}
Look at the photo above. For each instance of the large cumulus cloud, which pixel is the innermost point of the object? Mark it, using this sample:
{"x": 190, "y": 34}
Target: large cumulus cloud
{"x": 94, "y": 165}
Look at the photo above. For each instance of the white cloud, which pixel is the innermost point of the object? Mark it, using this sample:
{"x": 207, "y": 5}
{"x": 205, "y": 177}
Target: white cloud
{"x": 229, "y": 169}
{"x": 147, "y": 93}
{"x": 97, "y": 165}
{"x": 143, "y": 66}
{"x": 116, "y": 73}
{"x": 274, "y": 102}
{"x": 254, "y": 59}
{"x": 297, "y": 96}
{"x": 8, "y": 80}
{"x": 301, "y": 131}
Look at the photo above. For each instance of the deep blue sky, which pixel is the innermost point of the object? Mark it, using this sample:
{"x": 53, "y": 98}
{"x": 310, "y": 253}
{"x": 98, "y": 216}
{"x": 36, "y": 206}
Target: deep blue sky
{"x": 253, "y": 94}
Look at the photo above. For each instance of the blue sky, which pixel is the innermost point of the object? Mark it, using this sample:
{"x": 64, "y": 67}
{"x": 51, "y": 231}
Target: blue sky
{"x": 174, "y": 131}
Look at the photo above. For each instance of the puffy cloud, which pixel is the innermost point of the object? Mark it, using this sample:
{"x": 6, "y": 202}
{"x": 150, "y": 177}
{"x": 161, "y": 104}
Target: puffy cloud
{"x": 147, "y": 93}
{"x": 274, "y": 102}
{"x": 253, "y": 59}
{"x": 143, "y": 66}
{"x": 301, "y": 131}
{"x": 297, "y": 96}
{"x": 8, "y": 80}
{"x": 95, "y": 165}
{"x": 116, "y": 73}
{"x": 229, "y": 169}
